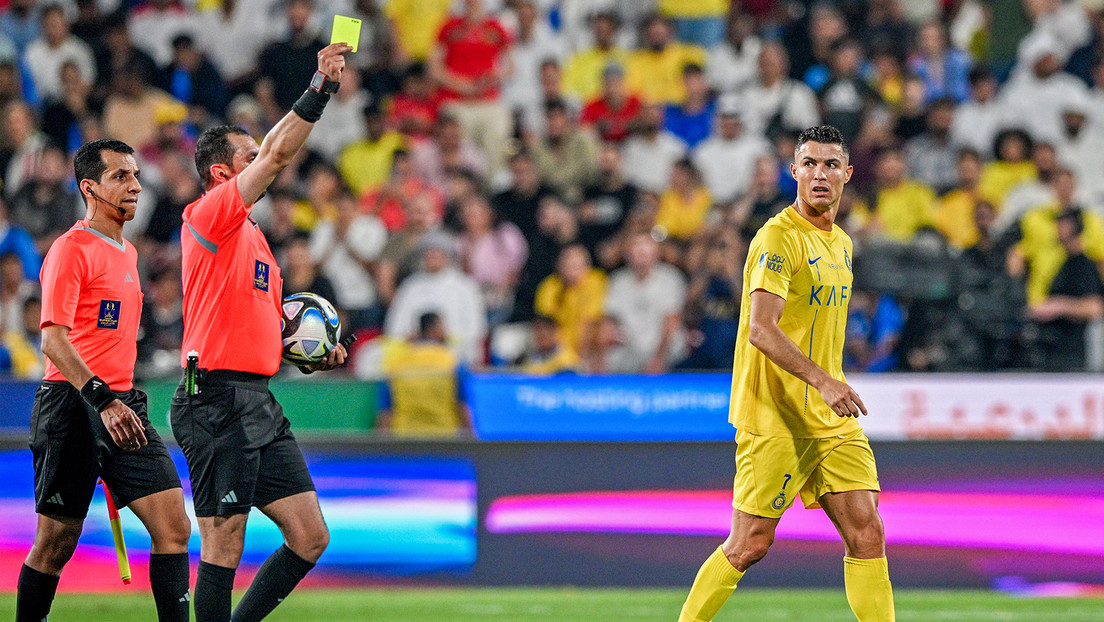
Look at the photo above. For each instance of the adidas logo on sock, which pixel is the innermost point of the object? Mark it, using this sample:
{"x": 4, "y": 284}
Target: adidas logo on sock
{"x": 56, "y": 500}
{"x": 230, "y": 498}
{"x": 185, "y": 598}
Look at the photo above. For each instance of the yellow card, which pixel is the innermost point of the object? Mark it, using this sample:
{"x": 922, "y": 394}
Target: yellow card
{"x": 346, "y": 29}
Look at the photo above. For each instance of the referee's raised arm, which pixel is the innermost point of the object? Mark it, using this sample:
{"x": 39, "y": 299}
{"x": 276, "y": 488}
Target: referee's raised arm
{"x": 286, "y": 137}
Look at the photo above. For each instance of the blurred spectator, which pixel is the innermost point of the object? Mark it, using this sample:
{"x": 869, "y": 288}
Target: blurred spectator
{"x": 612, "y": 113}
{"x": 902, "y": 206}
{"x": 1039, "y": 90}
{"x": 23, "y": 343}
{"x": 1012, "y": 166}
{"x": 775, "y": 102}
{"x": 1041, "y": 251}
{"x": 23, "y": 144}
{"x": 685, "y": 204}
{"x": 651, "y": 151}
{"x": 471, "y": 62}
{"x": 874, "y": 323}
{"x": 162, "y": 328}
{"x": 11, "y": 81}
{"x": 380, "y": 58}
{"x": 417, "y": 24}
{"x": 886, "y": 75}
{"x": 45, "y": 206}
{"x": 701, "y": 22}
{"x": 493, "y": 253}
{"x": 1057, "y": 24}
{"x": 955, "y": 215}
{"x": 171, "y": 138}
{"x": 301, "y": 273}
{"x": 232, "y": 33}
{"x": 732, "y": 63}
{"x": 389, "y": 201}
{"x": 346, "y": 249}
{"x": 1096, "y": 96}
{"x": 16, "y": 241}
{"x": 557, "y": 228}
{"x": 460, "y": 186}
{"x": 885, "y": 26}
{"x": 15, "y": 289}
{"x": 46, "y": 55}
{"x": 1075, "y": 298}
{"x": 519, "y": 203}
{"x": 943, "y": 69}
{"x": 448, "y": 149}
{"x": 713, "y": 303}
{"x": 548, "y": 354}
{"x": 1033, "y": 191}
{"x": 118, "y": 55}
{"x": 584, "y": 74}
{"x": 192, "y": 79}
{"x": 826, "y": 27}
{"x": 845, "y": 96}
{"x": 178, "y": 188}
{"x": 284, "y": 62}
{"x": 610, "y": 352}
{"x": 130, "y": 111}
{"x": 763, "y": 200}
{"x": 567, "y": 156}
{"x": 535, "y": 42}
{"x": 647, "y": 297}
{"x": 401, "y": 255}
{"x": 978, "y": 119}
{"x": 414, "y": 109}
{"x": 423, "y": 388}
{"x": 441, "y": 288}
{"x": 344, "y": 122}
{"x": 154, "y": 24}
{"x": 931, "y": 155}
{"x": 1078, "y": 147}
{"x": 62, "y": 114}
{"x": 281, "y": 227}
{"x": 692, "y": 120}
{"x": 531, "y": 121}
{"x": 365, "y": 164}
{"x": 19, "y": 22}
{"x": 727, "y": 158}
{"x": 605, "y": 205}
{"x": 655, "y": 69}
{"x": 574, "y": 296}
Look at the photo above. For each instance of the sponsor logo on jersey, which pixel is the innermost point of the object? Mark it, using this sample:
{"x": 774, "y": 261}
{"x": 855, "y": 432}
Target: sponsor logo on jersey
{"x": 771, "y": 261}
{"x": 109, "y": 314}
{"x": 828, "y": 295}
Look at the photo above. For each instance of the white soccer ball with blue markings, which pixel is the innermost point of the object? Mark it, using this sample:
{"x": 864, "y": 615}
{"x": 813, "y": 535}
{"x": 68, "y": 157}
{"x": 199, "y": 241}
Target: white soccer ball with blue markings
{"x": 311, "y": 328}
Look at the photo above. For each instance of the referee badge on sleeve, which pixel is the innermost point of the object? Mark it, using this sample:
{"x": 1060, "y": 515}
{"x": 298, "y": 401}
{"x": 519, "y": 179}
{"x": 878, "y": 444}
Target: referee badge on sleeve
{"x": 109, "y": 314}
{"x": 260, "y": 276}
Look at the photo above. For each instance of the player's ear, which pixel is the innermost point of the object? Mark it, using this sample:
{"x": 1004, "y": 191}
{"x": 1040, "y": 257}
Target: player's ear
{"x": 850, "y": 170}
{"x": 85, "y": 186}
{"x": 793, "y": 170}
{"x": 220, "y": 172}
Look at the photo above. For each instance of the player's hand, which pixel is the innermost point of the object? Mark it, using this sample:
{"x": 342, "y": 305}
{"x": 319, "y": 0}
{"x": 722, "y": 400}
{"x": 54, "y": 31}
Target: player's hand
{"x": 842, "y": 399}
{"x": 125, "y": 427}
{"x": 331, "y": 60}
{"x": 336, "y": 358}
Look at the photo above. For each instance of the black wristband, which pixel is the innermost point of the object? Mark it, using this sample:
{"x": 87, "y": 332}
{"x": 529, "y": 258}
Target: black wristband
{"x": 310, "y": 105}
{"x": 97, "y": 393}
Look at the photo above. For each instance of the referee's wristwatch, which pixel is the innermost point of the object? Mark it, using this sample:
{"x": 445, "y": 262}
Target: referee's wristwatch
{"x": 321, "y": 83}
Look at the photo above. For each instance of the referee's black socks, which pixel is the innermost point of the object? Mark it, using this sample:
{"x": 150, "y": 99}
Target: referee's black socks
{"x": 35, "y": 595}
{"x": 212, "y": 592}
{"x": 169, "y": 582}
{"x": 280, "y": 573}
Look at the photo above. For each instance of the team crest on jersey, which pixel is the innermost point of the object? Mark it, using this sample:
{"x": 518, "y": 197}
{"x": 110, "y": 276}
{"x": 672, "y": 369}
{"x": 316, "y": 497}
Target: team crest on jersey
{"x": 260, "y": 276}
{"x": 847, "y": 259}
{"x": 109, "y": 314}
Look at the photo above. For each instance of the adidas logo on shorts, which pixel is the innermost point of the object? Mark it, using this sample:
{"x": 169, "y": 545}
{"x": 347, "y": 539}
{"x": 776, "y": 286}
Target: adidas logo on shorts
{"x": 230, "y": 498}
{"x": 56, "y": 500}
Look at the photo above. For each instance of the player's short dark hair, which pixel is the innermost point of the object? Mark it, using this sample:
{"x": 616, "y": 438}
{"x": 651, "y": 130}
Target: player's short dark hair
{"x": 826, "y": 134}
{"x": 214, "y": 147}
{"x": 88, "y": 162}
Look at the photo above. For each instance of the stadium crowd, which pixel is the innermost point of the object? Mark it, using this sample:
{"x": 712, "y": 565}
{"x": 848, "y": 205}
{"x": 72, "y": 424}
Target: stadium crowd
{"x": 573, "y": 184}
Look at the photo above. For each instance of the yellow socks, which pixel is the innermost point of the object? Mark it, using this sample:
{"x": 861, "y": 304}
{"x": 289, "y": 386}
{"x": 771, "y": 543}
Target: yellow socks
{"x": 868, "y": 589}
{"x": 714, "y": 584}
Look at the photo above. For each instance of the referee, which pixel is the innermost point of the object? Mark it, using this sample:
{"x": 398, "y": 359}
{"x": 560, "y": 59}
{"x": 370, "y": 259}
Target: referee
{"x": 240, "y": 449}
{"x": 88, "y": 421}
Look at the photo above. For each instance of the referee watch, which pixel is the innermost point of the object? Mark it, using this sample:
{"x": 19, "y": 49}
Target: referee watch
{"x": 321, "y": 83}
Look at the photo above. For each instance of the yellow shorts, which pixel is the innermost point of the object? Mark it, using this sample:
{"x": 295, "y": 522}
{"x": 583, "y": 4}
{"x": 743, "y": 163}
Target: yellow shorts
{"x": 772, "y": 470}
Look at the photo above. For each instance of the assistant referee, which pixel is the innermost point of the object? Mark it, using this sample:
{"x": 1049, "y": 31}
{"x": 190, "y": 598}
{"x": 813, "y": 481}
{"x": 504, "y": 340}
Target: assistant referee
{"x": 239, "y": 446}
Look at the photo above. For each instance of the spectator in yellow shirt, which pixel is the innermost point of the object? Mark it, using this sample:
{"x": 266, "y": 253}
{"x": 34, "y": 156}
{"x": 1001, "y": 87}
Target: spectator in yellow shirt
{"x": 954, "y": 217}
{"x": 365, "y": 164}
{"x": 582, "y": 74}
{"x": 700, "y": 22}
{"x": 902, "y": 206}
{"x": 655, "y": 70}
{"x": 1012, "y": 167}
{"x": 549, "y": 355}
{"x": 683, "y": 207}
{"x": 575, "y": 296}
{"x": 417, "y": 23}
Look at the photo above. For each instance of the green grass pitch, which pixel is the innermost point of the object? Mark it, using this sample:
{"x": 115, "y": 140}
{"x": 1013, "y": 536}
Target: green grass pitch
{"x": 591, "y": 605}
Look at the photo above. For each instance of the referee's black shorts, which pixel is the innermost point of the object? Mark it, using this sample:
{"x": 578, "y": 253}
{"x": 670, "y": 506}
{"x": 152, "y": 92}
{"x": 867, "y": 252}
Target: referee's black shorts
{"x": 240, "y": 449}
{"x": 72, "y": 448}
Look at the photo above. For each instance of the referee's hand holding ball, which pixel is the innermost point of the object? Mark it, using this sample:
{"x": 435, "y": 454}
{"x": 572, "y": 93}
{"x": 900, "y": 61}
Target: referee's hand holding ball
{"x": 331, "y": 60}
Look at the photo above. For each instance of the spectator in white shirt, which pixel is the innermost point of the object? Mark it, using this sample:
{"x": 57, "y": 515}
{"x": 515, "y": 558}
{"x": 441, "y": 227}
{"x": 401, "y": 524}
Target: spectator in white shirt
{"x": 652, "y": 151}
{"x": 54, "y": 48}
{"x": 733, "y": 63}
{"x": 978, "y": 119}
{"x": 775, "y": 101}
{"x": 346, "y": 250}
{"x": 727, "y": 159}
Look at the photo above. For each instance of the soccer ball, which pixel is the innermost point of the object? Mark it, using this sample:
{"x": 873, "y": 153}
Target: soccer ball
{"x": 310, "y": 328}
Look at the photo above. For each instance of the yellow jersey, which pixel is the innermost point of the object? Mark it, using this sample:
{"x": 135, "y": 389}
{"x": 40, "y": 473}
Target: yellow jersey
{"x": 811, "y": 269}
{"x": 1045, "y": 254}
{"x": 424, "y": 388}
